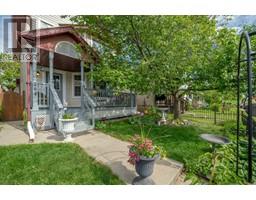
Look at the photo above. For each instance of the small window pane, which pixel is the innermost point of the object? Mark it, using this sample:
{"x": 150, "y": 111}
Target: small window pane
{"x": 77, "y": 85}
{"x": 77, "y": 91}
{"x": 67, "y": 49}
{"x": 78, "y": 77}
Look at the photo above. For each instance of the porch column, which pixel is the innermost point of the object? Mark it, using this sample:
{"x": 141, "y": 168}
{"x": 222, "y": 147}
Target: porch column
{"x": 91, "y": 81}
{"x": 51, "y": 57}
{"x": 82, "y": 81}
{"x": 34, "y": 80}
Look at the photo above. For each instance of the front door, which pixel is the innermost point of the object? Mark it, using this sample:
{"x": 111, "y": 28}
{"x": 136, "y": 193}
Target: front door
{"x": 57, "y": 83}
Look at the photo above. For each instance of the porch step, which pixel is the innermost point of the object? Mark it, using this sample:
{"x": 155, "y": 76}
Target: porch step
{"x": 82, "y": 126}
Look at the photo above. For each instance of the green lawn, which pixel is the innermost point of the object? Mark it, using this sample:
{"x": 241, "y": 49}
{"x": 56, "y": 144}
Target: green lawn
{"x": 51, "y": 164}
{"x": 181, "y": 143}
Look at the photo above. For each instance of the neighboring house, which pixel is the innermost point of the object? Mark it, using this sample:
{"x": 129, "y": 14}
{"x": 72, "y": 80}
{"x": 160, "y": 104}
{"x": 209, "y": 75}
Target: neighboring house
{"x": 145, "y": 101}
{"x": 57, "y": 82}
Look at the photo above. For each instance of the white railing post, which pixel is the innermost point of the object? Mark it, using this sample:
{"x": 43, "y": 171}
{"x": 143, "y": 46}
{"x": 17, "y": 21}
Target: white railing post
{"x": 51, "y": 57}
{"x": 34, "y": 81}
{"x": 91, "y": 81}
{"x": 82, "y": 83}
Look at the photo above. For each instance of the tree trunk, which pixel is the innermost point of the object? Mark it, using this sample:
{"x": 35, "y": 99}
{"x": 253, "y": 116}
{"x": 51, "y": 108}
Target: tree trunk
{"x": 176, "y": 108}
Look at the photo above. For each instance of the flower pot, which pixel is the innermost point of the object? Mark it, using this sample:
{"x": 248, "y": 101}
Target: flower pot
{"x": 68, "y": 125}
{"x": 145, "y": 166}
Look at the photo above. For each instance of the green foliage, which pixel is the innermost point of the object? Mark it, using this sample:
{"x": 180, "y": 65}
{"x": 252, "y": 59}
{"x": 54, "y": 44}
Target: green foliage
{"x": 162, "y": 53}
{"x": 134, "y": 120}
{"x": 215, "y": 107}
{"x": 154, "y": 113}
{"x": 230, "y": 127}
{"x": 219, "y": 166}
{"x": 171, "y": 55}
{"x": 51, "y": 164}
{"x": 25, "y": 117}
{"x": 68, "y": 116}
{"x": 142, "y": 146}
{"x": 9, "y": 72}
{"x": 100, "y": 124}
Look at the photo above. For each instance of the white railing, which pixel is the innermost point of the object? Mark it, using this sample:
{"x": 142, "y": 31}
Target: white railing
{"x": 88, "y": 105}
{"x": 57, "y": 109}
{"x": 42, "y": 92}
{"x": 109, "y": 98}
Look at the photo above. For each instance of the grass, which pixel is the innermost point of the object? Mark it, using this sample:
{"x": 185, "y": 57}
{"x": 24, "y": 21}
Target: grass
{"x": 51, "y": 164}
{"x": 182, "y": 143}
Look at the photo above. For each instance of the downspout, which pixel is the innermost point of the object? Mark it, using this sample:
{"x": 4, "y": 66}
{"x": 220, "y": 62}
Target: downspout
{"x": 29, "y": 125}
{"x": 28, "y": 92}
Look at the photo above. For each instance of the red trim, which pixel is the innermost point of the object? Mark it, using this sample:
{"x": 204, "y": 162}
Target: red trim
{"x": 53, "y": 31}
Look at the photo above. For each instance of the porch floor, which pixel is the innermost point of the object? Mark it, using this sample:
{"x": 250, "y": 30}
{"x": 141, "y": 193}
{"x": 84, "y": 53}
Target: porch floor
{"x": 104, "y": 148}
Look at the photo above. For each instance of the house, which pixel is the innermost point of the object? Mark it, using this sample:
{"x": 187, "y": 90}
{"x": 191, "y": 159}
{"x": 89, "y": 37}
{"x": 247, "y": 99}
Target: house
{"x": 145, "y": 101}
{"x": 57, "y": 81}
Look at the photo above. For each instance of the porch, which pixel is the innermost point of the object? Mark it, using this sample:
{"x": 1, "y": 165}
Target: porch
{"x": 61, "y": 85}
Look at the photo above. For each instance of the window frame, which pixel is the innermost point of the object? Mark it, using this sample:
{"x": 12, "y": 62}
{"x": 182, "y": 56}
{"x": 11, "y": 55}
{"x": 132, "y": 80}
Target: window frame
{"x": 65, "y": 54}
{"x": 73, "y": 85}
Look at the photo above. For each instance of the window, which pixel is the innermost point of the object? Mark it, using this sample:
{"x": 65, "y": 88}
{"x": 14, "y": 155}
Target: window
{"x": 77, "y": 85}
{"x": 66, "y": 48}
{"x": 56, "y": 82}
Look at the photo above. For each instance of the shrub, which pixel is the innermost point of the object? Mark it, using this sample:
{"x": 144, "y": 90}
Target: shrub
{"x": 134, "y": 120}
{"x": 219, "y": 167}
{"x": 25, "y": 118}
{"x": 230, "y": 127}
{"x": 68, "y": 116}
{"x": 100, "y": 125}
{"x": 215, "y": 107}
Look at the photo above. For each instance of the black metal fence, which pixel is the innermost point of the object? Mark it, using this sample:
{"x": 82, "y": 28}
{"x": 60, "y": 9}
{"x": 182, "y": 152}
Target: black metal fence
{"x": 211, "y": 115}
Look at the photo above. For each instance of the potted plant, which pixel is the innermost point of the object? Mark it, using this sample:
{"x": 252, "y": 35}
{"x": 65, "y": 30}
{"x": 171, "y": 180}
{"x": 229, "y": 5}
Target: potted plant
{"x": 68, "y": 122}
{"x": 143, "y": 154}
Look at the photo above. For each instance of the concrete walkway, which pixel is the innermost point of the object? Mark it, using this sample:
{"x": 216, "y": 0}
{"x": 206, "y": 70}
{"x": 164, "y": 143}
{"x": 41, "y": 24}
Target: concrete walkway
{"x": 114, "y": 153}
{"x": 104, "y": 148}
{"x": 12, "y": 133}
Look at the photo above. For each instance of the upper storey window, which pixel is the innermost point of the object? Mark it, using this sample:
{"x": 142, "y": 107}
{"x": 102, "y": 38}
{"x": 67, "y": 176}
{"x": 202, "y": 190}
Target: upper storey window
{"x": 67, "y": 48}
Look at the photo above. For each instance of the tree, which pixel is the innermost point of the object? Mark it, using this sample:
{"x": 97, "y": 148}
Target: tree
{"x": 170, "y": 55}
{"x": 9, "y": 72}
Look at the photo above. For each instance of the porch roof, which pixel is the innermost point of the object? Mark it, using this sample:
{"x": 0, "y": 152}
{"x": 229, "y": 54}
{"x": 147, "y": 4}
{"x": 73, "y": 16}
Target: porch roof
{"x": 60, "y": 61}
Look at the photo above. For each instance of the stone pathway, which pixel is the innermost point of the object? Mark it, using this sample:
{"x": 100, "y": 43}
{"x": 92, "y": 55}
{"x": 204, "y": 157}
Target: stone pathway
{"x": 104, "y": 148}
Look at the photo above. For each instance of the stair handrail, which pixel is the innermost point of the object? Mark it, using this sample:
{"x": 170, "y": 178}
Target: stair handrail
{"x": 57, "y": 108}
{"x": 89, "y": 103}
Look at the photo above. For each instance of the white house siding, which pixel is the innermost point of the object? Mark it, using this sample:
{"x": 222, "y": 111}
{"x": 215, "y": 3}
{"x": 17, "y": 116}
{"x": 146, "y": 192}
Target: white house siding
{"x": 53, "y": 20}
